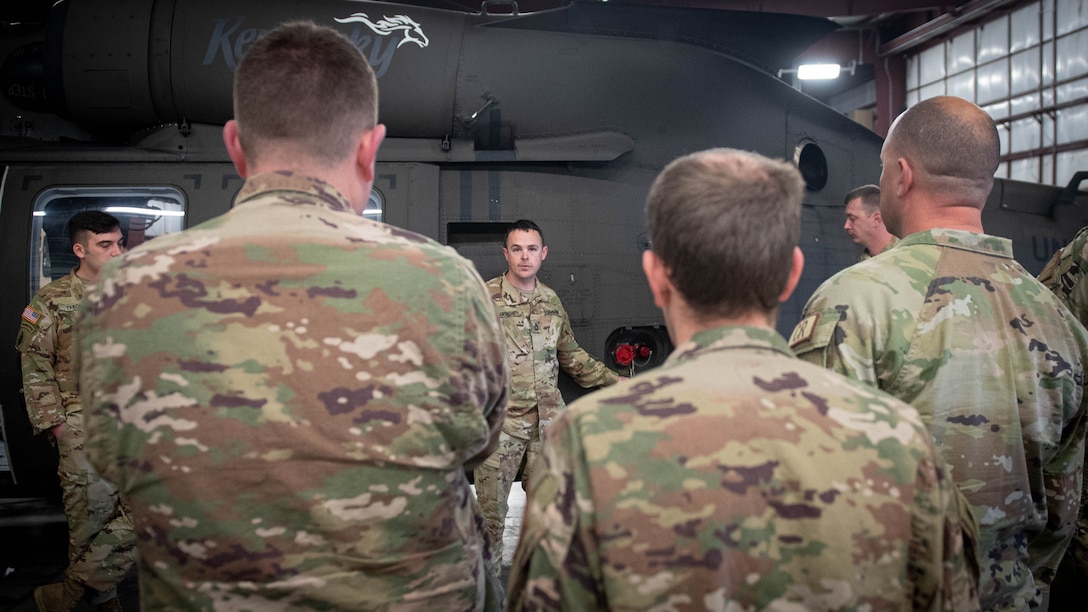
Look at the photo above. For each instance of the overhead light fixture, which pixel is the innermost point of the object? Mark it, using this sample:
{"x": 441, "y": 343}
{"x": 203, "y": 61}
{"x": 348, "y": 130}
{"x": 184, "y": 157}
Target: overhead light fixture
{"x": 146, "y": 212}
{"x": 814, "y": 72}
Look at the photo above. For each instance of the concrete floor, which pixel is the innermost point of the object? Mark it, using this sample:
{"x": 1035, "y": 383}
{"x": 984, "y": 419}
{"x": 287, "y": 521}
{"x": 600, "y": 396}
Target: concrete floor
{"x": 34, "y": 541}
{"x": 513, "y": 525}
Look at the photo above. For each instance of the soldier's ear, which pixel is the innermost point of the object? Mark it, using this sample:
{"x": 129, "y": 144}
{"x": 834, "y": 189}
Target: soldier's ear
{"x": 366, "y": 153}
{"x": 79, "y": 250}
{"x": 905, "y": 180}
{"x": 544, "y": 253}
{"x": 796, "y": 266}
{"x": 657, "y": 276}
{"x": 234, "y": 147}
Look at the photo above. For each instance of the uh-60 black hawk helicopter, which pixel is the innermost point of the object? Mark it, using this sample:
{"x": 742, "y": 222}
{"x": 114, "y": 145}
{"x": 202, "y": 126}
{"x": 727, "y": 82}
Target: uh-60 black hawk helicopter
{"x": 561, "y": 116}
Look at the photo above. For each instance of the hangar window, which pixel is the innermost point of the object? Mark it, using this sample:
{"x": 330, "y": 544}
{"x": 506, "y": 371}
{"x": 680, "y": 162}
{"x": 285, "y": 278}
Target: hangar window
{"x": 1028, "y": 69}
{"x": 143, "y": 214}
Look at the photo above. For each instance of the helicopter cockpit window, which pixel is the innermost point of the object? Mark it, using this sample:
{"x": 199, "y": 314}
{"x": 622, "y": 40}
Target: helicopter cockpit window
{"x": 143, "y": 212}
{"x": 375, "y": 206}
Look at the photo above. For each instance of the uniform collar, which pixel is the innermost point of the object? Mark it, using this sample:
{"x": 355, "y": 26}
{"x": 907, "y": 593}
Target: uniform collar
{"x": 320, "y": 192}
{"x": 731, "y": 337}
{"x": 76, "y": 280}
{"x": 963, "y": 240}
{"x": 512, "y": 295}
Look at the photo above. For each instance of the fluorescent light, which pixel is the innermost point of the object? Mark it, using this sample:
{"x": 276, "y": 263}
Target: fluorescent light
{"x": 808, "y": 72}
{"x": 147, "y": 212}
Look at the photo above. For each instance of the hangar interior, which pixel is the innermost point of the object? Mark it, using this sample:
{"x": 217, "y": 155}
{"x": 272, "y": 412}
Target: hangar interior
{"x": 1025, "y": 62}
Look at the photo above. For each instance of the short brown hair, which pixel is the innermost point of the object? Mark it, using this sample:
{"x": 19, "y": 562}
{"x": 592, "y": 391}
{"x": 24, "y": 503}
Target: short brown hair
{"x": 724, "y": 223}
{"x": 870, "y": 198}
{"x": 305, "y": 87}
{"x": 523, "y": 225}
{"x": 953, "y": 143}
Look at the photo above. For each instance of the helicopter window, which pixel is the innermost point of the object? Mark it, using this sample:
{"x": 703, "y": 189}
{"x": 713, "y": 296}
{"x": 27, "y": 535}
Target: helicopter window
{"x": 375, "y": 205}
{"x": 812, "y": 163}
{"x": 143, "y": 212}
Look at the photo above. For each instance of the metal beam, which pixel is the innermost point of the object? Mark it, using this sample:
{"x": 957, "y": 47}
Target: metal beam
{"x": 817, "y": 8}
{"x": 812, "y": 8}
{"x": 944, "y": 24}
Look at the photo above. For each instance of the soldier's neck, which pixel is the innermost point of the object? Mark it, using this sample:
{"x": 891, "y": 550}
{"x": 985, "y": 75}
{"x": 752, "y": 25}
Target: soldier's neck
{"x": 513, "y": 280}
{"x": 86, "y": 275}
{"x": 880, "y": 244}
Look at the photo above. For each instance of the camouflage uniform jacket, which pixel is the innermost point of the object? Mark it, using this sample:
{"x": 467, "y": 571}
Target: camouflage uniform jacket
{"x": 867, "y": 255}
{"x": 1065, "y": 272}
{"x": 289, "y": 396}
{"x": 539, "y": 341}
{"x": 736, "y": 477}
{"x": 950, "y": 323}
{"x": 45, "y": 339}
{"x": 1064, "y": 275}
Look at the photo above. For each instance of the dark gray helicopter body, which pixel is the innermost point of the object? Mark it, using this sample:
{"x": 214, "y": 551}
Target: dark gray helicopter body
{"x": 561, "y": 116}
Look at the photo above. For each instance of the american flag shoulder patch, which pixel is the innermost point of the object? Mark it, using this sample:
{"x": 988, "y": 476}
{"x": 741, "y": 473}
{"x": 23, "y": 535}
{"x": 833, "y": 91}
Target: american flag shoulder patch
{"x": 31, "y": 315}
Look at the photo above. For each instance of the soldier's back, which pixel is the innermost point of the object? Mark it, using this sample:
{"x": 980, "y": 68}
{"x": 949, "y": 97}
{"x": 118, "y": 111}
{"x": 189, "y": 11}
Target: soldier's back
{"x": 301, "y": 405}
{"x": 951, "y": 323}
{"x": 737, "y": 474}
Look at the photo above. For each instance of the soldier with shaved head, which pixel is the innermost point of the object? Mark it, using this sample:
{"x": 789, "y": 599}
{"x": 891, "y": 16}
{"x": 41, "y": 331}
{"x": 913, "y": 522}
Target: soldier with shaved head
{"x": 290, "y": 395}
{"x": 735, "y": 476}
{"x": 950, "y": 323}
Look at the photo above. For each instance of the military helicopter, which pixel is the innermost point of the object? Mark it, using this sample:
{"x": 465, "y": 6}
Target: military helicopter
{"x": 562, "y": 116}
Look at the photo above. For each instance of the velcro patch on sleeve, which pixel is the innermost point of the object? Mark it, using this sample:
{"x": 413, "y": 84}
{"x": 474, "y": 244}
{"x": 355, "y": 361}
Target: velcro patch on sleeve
{"x": 805, "y": 329}
{"x": 32, "y": 316}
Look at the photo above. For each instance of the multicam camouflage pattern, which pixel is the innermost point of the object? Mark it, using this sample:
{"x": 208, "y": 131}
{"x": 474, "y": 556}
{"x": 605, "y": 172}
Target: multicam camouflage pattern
{"x": 539, "y": 341}
{"x": 867, "y": 255}
{"x": 50, "y": 381}
{"x": 1064, "y": 275}
{"x": 493, "y": 481}
{"x": 101, "y": 544}
{"x": 950, "y": 323}
{"x": 736, "y": 477}
{"x": 289, "y": 396}
{"x": 1065, "y": 271}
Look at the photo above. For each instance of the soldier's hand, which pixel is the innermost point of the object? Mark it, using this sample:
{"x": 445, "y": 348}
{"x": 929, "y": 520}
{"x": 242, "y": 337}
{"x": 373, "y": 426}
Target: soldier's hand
{"x": 58, "y": 430}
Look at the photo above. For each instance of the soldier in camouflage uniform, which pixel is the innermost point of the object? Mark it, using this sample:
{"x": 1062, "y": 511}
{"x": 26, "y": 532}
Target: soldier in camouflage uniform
{"x": 864, "y": 222}
{"x": 950, "y": 323}
{"x": 1065, "y": 272}
{"x": 1064, "y": 275}
{"x": 289, "y": 395}
{"x": 101, "y": 545}
{"x": 736, "y": 477}
{"x": 539, "y": 341}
